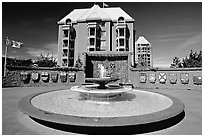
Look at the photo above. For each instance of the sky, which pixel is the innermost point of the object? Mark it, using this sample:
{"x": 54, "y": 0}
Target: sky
{"x": 173, "y": 28}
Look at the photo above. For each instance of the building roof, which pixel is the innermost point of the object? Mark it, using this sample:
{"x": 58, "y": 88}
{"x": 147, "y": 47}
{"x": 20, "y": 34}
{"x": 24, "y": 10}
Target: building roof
{"x": 142, "y": 40}
{"x": 96, "y": 13}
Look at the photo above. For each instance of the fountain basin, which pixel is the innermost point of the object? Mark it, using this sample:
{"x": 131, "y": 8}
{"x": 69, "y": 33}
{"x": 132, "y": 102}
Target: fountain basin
{"x": 107, "y": 93}
{"x": 101, "y": 81}
{"x": 135, "y": 108}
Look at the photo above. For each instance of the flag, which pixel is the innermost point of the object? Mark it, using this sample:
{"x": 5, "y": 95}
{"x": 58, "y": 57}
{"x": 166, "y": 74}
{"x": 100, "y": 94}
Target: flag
{"x": 105, "y": 5}
{"x": 8, "y": 41}
{"x": 16, "y": 44}
{"x": 13, "y": 43}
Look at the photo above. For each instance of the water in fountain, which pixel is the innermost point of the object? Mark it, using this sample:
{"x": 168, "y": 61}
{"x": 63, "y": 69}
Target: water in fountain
{"x": 101, "y": 90}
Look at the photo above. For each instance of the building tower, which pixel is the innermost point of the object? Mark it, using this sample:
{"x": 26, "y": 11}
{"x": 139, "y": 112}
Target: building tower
{"x": 143, "y": 52}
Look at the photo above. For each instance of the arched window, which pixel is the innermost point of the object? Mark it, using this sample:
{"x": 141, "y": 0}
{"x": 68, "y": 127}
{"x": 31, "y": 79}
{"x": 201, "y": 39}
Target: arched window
{"x": 121, "y": 19}
{"x": 68, "y": 21}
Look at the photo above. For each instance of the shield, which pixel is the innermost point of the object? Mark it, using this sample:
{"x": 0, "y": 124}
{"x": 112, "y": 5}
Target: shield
{"x": 45, "y": 76}
{"x": 143, "y": 77}
{"x": 35, "y": 76}
{"x": 54, "y": 77}
{"x": 63, "y": 77}
{"x": 24, "y": 76}
{"x": 152, "y": 78}
{"x": 172, "y": 78}
{"x": 184, "y": 77}
{"x": 72, "y": 76}
{"x": 162, "y": 78}
{"x": 197, "y": 80}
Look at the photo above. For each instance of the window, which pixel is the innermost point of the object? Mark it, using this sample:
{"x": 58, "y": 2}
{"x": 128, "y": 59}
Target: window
{"x": 64, "y": 54}
{"x": 121, "y": 19}
{"x": 92, "y": 41}
{"x": 121, "y": 32}
{"x": 91, "y": 49}
{"x": 71, "y": 45}
{"x": 65, "y": 33}
{"x": 65, "y": 43}
{"x": 68, "y": 21}
{"x": 121, "y": 49}
{"x": 71, "y": 54}
{"x": 103, "y": 43}
{"x": 103, "y": 33}
{"x": 64, "y": 62}
{"x": 92, "y": 31}
{"x": 103, "y": 24}
{"x": 121, "y": 41}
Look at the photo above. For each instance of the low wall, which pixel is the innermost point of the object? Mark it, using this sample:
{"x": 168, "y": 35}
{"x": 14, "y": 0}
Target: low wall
{"x": 14, "y": 77}
{"x": 179, "y": 78}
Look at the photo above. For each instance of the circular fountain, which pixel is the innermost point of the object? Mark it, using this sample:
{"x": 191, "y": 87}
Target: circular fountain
{"x": 101, "y": 90}
{"x": 102, "y": 107}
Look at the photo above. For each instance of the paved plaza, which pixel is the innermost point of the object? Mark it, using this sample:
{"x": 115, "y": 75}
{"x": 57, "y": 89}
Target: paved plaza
{"x": 14, "y": 122}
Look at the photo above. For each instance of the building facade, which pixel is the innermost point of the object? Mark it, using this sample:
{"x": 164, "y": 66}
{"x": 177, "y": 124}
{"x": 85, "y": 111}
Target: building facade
{"x": 143, "y": 52}
{"x": 95, "y": 29}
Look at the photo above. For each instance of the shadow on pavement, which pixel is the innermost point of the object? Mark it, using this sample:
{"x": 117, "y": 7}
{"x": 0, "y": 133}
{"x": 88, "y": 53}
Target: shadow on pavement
{"x": 116, "y": 130}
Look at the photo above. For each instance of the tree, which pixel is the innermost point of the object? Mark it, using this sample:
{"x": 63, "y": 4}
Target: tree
{"x": 17, "y": 62}
{"x": 193, "y": 60}
{"x": 176, "y": 63}
{"x": 46, "y": 61}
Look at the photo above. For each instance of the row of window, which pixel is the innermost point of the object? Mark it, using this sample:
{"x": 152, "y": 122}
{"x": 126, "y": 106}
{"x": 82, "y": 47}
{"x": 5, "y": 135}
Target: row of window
{"x": 121, "y": 39}
{"x": 145, "y": 45}
{"x": 144, "y": 48}
{"x": 143, "y": 55}
{"x": 69, "y": 35}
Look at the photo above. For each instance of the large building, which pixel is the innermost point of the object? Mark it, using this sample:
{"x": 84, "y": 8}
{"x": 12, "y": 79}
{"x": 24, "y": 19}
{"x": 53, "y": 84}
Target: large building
{"x": 91, "y": 30}
{"x": 143, "y": 52}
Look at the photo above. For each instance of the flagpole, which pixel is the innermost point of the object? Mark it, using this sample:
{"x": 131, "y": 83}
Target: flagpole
{"x": 5, "y": 61}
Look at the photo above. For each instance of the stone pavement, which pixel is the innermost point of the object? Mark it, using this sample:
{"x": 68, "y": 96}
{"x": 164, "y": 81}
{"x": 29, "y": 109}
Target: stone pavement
{"x": 14, "y": 122}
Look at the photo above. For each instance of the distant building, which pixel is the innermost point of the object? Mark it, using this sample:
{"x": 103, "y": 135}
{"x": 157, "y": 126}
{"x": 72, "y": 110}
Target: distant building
{"x": 94, "y": 30}
{"x": 143, "y": 52}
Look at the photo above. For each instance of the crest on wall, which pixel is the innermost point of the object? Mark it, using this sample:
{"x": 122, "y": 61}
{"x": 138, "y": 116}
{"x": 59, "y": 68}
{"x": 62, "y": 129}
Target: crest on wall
{"x": 54, "y": 77}
{"x": 45, "y": 76}
{"x": 184, "y": 77}
{"x": 63, "y": 77}
{"x": 152, "y": 78}
{"x": 143, "y": 77}
{"x": 172, "y": 78}
{"x": 162, "y": 78}
{"x": 197, "y": 80}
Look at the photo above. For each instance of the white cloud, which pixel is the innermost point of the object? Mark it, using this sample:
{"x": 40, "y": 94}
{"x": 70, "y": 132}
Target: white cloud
{"x": 162, "y": 65}
{"x": 193, "y": 41}
{"x": 50, "y": 48}
{"x": 163, "y": 62}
